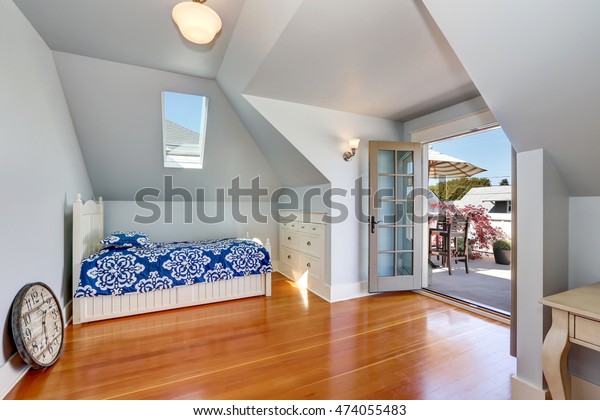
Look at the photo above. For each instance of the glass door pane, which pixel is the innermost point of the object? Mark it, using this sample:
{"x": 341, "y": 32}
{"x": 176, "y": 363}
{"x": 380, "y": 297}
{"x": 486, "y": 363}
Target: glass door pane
{"x": 396, "y": 180}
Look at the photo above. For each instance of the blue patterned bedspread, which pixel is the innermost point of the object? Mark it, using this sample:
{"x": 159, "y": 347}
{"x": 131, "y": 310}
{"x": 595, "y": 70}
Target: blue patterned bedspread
{"x": 117, "y": 271}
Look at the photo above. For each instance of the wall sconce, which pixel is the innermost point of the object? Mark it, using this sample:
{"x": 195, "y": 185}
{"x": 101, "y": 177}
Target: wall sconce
{"x": 353, "y": 146}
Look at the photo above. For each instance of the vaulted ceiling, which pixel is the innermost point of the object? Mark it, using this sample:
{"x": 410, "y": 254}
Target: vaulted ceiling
{"x": 379, "y": 57}
{"x": 138, "y": 32}
{"x": 535, "y": 63}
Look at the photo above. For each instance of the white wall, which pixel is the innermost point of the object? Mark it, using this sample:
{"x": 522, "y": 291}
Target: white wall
{"x": 584, "y": 230}
{"x": 542, "y": 253}
{"x": 322, "y": 136}
{"x": 41, "y": 170}
{"x": 116, "y": 110}
{"x": 120, "y": 215}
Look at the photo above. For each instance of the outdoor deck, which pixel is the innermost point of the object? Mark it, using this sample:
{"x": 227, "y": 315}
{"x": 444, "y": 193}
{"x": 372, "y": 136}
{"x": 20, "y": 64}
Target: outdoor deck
{"x": 487, "y": 283}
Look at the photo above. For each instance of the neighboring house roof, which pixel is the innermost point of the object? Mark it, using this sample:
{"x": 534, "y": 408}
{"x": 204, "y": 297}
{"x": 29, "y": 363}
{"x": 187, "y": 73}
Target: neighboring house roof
{"x": 486, "y": 196}
{"x": 181, "y": 141}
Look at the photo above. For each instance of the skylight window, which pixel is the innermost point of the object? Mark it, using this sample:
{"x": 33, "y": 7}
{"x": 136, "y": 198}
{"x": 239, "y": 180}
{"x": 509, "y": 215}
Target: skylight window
{"x": 184, "y": 129}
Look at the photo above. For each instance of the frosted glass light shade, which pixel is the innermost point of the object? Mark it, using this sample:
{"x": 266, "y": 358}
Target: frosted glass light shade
{"x": 198, "y": 23}
{"x": 354, "y": 143}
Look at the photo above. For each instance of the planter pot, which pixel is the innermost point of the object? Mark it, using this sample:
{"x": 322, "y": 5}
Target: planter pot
{"x": 502, "y": 256}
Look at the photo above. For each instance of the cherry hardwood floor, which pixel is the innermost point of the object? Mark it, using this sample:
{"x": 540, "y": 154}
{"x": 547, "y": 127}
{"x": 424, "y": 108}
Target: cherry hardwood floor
{"x": 292, "y": 345}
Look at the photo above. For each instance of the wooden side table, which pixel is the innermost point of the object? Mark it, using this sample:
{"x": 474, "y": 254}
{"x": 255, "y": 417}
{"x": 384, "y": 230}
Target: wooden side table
{"x": 575, "y": 319}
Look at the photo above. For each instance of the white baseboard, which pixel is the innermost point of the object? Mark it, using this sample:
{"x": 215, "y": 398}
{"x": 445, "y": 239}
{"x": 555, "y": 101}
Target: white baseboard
{"x": 580, "y": 390}
{"x": 522, "y": 390}
{"x": 346, "y": 291}
{"x": 11, "y": 372}
{"x": 322, "y": 290}
{"x": 275, "y": 264}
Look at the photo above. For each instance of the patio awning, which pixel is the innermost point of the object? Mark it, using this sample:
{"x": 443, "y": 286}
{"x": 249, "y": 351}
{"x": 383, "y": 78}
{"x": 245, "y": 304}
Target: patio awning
{"x": 443, "y": 165}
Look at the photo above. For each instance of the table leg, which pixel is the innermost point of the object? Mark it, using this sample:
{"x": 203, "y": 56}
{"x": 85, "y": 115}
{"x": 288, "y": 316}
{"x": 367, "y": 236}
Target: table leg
{"x": 554, "y": 356}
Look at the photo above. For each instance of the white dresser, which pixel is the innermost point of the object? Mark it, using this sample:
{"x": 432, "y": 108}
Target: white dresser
{"x": 302, "y": 255}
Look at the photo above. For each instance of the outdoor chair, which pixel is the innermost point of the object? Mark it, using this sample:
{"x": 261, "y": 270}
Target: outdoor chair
{"x": 450, "y": 241}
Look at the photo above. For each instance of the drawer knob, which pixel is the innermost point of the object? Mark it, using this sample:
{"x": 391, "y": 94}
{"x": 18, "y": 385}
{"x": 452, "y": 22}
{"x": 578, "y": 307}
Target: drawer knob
{"x": 308, "y": 265}
{"x": 314, "y": 228}
{"x": 289, "y": 257}
{"x": 308, "y": 243}
{"x": 289, "y": 238}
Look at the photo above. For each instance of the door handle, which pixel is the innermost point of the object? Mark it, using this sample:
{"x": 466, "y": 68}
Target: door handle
{"x": 373, "y": 223}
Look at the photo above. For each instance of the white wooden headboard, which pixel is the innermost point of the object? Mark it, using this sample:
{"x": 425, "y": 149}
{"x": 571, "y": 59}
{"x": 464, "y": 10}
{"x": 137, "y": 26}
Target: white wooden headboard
{"x": 88, "y": 231}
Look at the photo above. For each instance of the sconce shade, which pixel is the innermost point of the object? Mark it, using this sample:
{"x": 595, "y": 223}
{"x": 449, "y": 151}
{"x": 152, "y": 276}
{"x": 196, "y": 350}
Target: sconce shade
{"x": 198, "y": 23}
{"x": 353, "y": 146}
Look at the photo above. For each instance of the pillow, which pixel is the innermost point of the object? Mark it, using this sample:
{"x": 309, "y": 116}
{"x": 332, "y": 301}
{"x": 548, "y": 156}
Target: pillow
{"x": 126, "y": 239}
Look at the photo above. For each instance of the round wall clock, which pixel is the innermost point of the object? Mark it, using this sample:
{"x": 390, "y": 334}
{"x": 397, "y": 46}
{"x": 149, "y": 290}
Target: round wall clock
{"x": 37, "y": 325}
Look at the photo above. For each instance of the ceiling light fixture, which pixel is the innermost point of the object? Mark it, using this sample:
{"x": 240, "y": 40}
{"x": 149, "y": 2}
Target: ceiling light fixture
{"x": 198, "y": 23}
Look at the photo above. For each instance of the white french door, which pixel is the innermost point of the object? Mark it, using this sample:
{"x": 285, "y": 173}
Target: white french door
{"x": 397, "y": 218}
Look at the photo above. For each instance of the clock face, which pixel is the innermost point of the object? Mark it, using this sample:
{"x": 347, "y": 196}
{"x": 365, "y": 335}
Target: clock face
{"x": 38, "y": 326}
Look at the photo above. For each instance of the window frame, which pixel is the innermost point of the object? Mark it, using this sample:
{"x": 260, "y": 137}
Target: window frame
{"x": 187, "y": 160}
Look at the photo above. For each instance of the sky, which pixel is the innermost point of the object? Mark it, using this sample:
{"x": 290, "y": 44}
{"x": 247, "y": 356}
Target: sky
{"x": 184, "y": 109}
{"x": 490, "y": 150}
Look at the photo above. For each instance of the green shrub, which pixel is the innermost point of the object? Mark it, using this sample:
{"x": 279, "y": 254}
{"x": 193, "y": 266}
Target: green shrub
{"x": 460, "y": 245}
{"x": 501, "y": 244}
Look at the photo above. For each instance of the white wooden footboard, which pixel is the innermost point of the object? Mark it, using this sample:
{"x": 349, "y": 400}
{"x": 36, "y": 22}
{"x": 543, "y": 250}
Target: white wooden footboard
{"x": 106, "y": 307}
{"x": 88, "y": 231}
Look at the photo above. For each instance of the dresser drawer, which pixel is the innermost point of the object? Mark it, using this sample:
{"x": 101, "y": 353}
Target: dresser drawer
{"x": 290, "y": 257}
{"x": 289, "y": 238}
{"x": 290, "y": 226}
{"x": 587, "y": 330}
{"x": 312, "y": 245}
{"x": 311, "y": 264}
{"x": 311, "y": 228}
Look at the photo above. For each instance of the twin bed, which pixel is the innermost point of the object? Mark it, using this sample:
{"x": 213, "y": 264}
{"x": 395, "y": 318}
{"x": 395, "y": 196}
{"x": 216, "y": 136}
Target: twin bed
{"x": 129, "y": 275}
